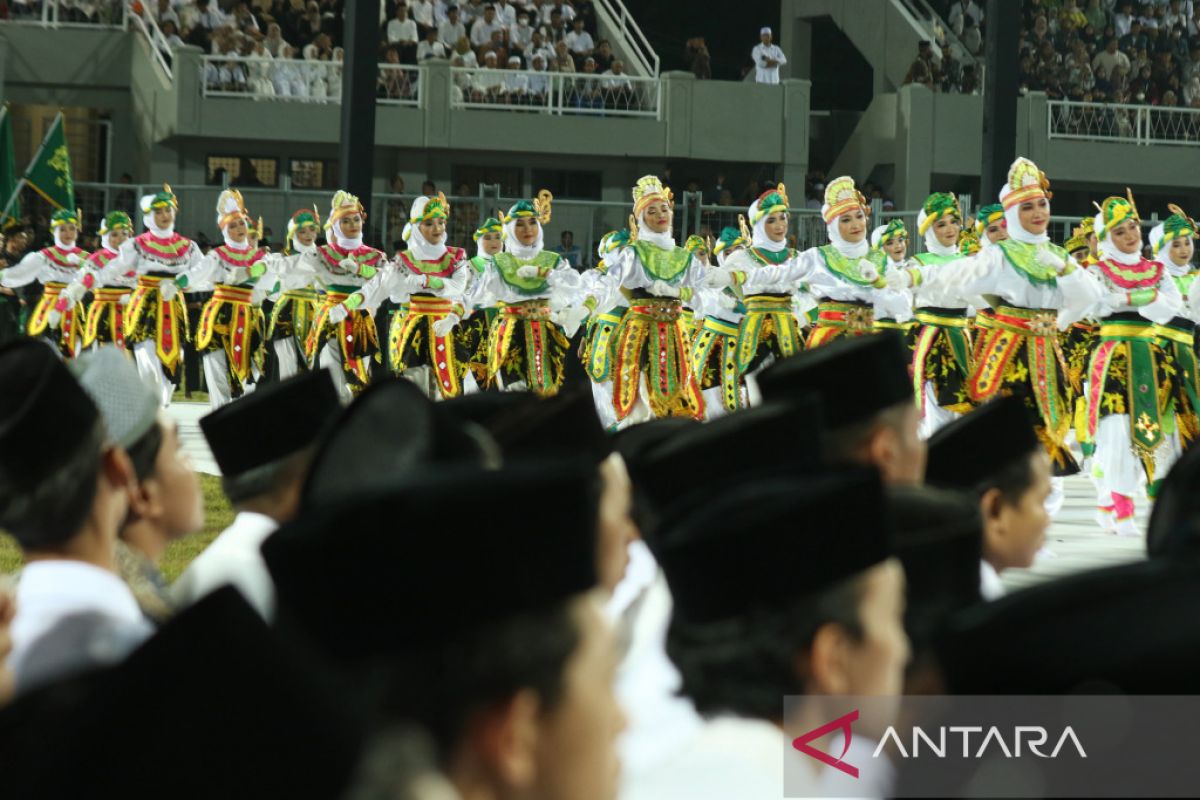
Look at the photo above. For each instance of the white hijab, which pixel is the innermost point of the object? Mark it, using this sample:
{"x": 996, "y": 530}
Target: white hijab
{"x": 63, "y": 245}
{"x": 931, "y": 241}
{"x": 1110, "y": 251}
{"x": 1012, "y": 216}
{"x": 148, "y": 218}
{"x": 421, "y": 247}
{"x": 759, "y": 237}
{"x": 514, "y": 246}
{"x": 342, "y": 241}
{"x": 664, "y": 240}
{"x": 856, "y": 250}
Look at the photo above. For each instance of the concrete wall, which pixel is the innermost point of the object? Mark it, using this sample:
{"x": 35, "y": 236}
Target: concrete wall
{"x": 882, "y": 31}
{"x": 922, "y": 133}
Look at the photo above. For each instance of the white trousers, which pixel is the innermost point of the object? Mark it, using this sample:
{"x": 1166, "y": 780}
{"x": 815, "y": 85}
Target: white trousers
{"x": 288, "y": 357}
{"x": 151, "y": 369}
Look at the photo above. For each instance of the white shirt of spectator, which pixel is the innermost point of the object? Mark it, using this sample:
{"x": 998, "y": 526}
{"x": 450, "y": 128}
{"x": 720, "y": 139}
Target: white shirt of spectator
{"x": 430, "y": 50}
{"x": 506, "y": 14}
{"x": 422, "y": 12}
{"x": 450, "y": 32}
{"x": 482, "y": 30}
{"x": 580, "y": 42}
{"x": 402, "y": 32}
{"x": 761, "y": 54}
{"x": 539, "y": 79}
{"x": 519, "y": 36}
{"x": 568, "y": 12}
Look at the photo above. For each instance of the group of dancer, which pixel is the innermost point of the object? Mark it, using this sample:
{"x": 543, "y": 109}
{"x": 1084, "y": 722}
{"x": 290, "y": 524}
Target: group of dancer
{"x": 1094, "y": 337}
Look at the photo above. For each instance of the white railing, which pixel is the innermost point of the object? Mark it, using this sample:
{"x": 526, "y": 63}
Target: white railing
{"x": 298, "y": 80}
{"x": 632, "y": 36}
{"x": 559, "y": 93}
{"x": 159, "y": 46}
{"x": 69, "y": 13}
{"x": 1115, "y": 122}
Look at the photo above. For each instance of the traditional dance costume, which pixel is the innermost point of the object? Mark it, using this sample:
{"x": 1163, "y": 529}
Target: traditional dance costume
{"x": 473, "y": 331}
{"x": 596, "y": 349}
{"x": 942, "y": 357}
{"x": 537, "y": 294}
{"x": 428, "y": 281}
{"x": 296, "y": 302}
{"x": 112, "y": 288}
{"x": 1137, "y": 403}
{"x": 231, "y": 333}
{"x": 342, "y": 337}
{"x": 1033, "y": 290}
{"x": 56, "y": 268}
{"x": 715, "y": 349}
{"x": 652, "y": 369}
{"x": 769, "y": 329}
{"x": 156, "y": 322}
{"x": 881, "y": 237}
{"x": 1079, "y": 341}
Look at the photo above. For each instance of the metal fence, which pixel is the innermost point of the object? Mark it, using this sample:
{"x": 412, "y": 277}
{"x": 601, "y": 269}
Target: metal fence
{"x": 1115, "y": 122}
{"x": 299, "y": 80}
{"x": 555, "y": 92}
{"x": 68, "y": 13}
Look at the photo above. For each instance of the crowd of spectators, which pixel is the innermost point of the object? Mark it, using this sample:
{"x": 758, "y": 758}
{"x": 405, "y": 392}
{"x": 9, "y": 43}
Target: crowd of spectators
{"x": 1143, "y": 53}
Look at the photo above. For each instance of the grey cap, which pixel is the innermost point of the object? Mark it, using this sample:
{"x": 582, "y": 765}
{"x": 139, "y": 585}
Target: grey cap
{"x": 128, "y": 404}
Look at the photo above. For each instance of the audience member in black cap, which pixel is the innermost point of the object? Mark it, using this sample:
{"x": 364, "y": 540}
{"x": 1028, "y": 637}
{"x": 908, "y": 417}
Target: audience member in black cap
{"x": 867, "y": 402}
{"x": 64, "y": 490}
{"x": 769, "y": 603}
{"x": 264, "y": 445}
{"x": 167, "y": 504}
{"x": 567, "y": 426}
{"x": 938, "y": 540}
{"x": 213, "y": 705}
{"x": 994, "y": 453}
{"x": 1132, "y": 629}
{"x": 488, "y": 636}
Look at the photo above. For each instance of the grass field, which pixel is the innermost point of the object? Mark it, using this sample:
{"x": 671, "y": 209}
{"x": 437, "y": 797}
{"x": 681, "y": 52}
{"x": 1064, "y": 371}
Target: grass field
{"x": 217, "y": 516}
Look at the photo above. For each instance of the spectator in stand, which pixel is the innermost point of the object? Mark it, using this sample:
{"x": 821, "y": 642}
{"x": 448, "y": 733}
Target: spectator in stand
{"x": 569, "y": 250}
{"x": 580, "y": 42}
{"x": 922, "y": 70}
{"x": 768, "y": 58}
{"x": 556, "y": 30}
{"x": 516, "y": 84}
{"x": 499, "y": 46}
{"x": 562, "y": 59}
{"x": 450, "y": 31}
{"x": 422, "y": 13}
{"x": 697, "y": 57}
{"x": 401, "y": 30}
{"x": 604, "y": 56}
{"x": 431, "y": 47}
{"x": 520, "y": 34}
{"x": 274, "y": 42}
{"x": 463, "y": 51}
{"x": 539, "y": 80}
{"x": 539, "y": 46}
{"x": 482, "y": 30}
{"x": 972, "y": 37}
{"x": 960, "y": 12}
{"x": 489, "y": 81}
{"x": 1109, "y": 58}
{"x": 506, "y": 13}
{"x": 165, "y": 13}
{"x": 428, "y": 188}
{"x": 393, "y": 84}
{"x": 1123, "y": 19}
{"x": 1097, "y": 16}
{"x": 1071, "y": 17}
{"x": 286, "y": 76}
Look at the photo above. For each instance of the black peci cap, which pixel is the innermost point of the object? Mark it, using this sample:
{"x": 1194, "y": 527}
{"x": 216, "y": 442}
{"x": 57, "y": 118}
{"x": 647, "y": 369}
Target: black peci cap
{"x": 969, "y": 451}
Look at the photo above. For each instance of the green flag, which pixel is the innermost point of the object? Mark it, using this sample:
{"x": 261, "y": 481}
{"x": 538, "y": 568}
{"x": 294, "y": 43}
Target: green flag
{"x": 50, "y": 172}
{"x": 8, "y": 171}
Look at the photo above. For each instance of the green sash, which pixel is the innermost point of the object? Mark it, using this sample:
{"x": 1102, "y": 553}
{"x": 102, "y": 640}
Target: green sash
{"x": 507, "y": 264}
{"x": 663, "y": 265}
